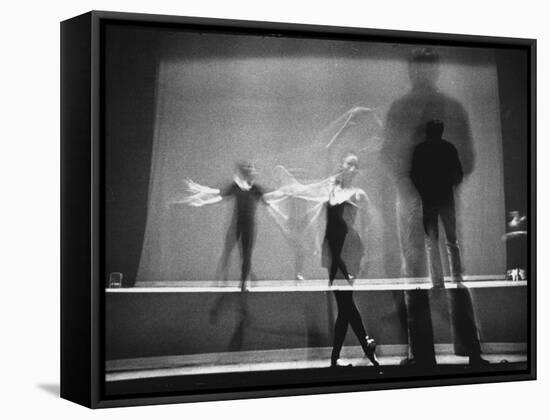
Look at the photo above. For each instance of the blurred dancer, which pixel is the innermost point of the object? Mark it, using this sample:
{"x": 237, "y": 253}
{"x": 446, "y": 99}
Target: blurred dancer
{"x": 358, "y": 130}
{"x": 242, "y": 229}
{"x": 339, "y": 226}
{"x": 341, "y": 201}
{"x": 343, "y": 196}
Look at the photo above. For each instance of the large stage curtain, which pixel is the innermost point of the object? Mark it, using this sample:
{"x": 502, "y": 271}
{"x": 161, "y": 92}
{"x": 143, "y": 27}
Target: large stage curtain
{"x": 222, "y": 98}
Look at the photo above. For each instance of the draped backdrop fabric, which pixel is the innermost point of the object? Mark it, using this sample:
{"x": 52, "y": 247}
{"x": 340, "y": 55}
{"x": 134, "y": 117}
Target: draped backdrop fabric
{"x": 277, "y": 101}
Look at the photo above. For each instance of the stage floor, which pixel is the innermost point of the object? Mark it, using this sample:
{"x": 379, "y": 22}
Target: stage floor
{"x": 291, "y": 359}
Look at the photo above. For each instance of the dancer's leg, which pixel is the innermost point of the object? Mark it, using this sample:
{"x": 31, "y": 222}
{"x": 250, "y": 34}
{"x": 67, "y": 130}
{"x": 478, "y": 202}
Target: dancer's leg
{"x": 356, "y": 322}
{"x": 230, "y": 241}
{"x": 341, "y": 325}
{"x": 367, "y": 344}
{"x": 296, "y": 226}
{"x": 336, "y": 243}
{"x": 247, "y": 244}
{"x": 231, "y": 238}
{"x": 299, "y": 255}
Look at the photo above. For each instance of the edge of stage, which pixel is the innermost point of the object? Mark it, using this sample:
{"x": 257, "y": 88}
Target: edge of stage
{"x": 288, "y": 359}
{"x": 313, "y": 285}
{"x": 173, "y": 375}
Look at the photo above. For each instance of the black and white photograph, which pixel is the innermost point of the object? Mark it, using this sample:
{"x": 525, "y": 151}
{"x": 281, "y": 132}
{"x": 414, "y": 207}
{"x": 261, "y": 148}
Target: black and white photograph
{"x": 290, "y": 209}
{"x": 275, "y": 210}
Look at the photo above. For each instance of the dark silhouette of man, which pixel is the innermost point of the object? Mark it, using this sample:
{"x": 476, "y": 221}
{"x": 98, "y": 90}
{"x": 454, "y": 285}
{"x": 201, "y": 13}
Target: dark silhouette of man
{"x": 404, "y": 129}
{"x": 436, "y": 171}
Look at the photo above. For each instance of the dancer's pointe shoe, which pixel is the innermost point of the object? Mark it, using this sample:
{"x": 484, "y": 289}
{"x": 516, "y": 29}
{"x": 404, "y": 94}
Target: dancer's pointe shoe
{"x": 299, "y": 277}
{"x": 369, "y": 353}
{"x": 351, "y": 279}
{"x": 334, "y": 363}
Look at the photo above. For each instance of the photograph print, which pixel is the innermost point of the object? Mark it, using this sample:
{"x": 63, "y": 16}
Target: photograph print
{"x": 296, "y": 210}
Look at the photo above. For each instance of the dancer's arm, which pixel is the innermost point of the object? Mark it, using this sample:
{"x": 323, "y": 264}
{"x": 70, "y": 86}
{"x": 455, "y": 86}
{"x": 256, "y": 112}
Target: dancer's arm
{"x": 287, "y": 182}
{"x": 199, "y": 195}
{"x": 273, "y": 201}
{"x": 343, "y": 122}
{"x": 316, "y": 191}
{"x": 273, "y": 196}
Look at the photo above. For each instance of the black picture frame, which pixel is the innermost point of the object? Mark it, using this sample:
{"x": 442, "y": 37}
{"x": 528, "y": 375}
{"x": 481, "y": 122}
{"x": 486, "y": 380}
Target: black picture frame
{"x": 83, "y": 196}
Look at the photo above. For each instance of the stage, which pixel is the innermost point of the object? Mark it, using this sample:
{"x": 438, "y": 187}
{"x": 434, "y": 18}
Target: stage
{"x": 164, "y": 330}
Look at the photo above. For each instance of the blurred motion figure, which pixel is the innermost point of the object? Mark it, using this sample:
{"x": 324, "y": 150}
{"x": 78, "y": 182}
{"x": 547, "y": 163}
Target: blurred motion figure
{"x": 404, "y": 129}
{"x": 242, "y": 228}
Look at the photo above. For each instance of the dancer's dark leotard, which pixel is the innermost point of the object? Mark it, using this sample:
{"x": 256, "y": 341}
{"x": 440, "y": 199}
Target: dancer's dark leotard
{"x": 243, "y": 224}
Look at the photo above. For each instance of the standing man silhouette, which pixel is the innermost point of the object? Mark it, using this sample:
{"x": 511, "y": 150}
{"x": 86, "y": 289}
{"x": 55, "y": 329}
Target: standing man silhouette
{"x": 405, "y": 128}
{"x": 435, "y": 172}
